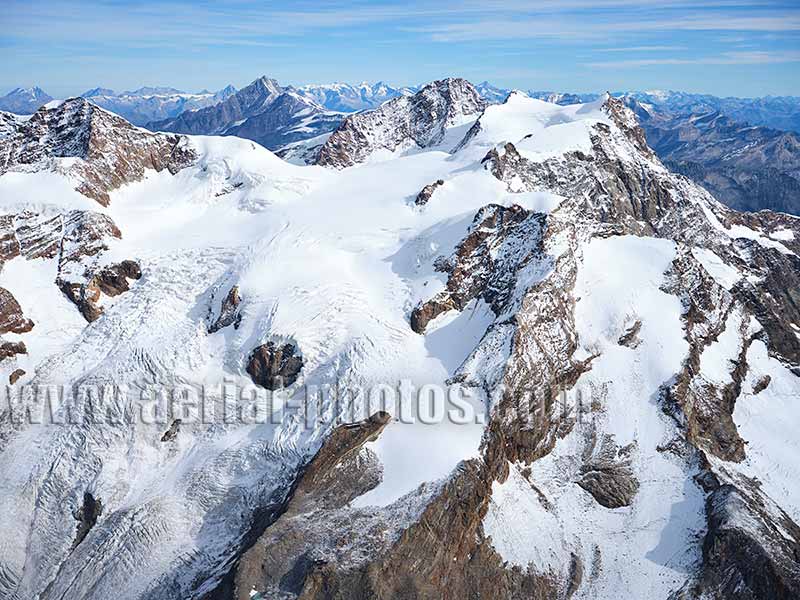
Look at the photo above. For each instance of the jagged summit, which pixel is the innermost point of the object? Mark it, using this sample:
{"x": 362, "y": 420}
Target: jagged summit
{"x": 110, "y": 151}
{"x": 214, "y": 120}
{"x": 98, "y": 91}
{"x": 24, "y": 101}
{"x": 417, "y": 121}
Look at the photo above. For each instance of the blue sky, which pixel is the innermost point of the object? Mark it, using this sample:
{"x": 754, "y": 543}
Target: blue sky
{"x": 723, "y": 47}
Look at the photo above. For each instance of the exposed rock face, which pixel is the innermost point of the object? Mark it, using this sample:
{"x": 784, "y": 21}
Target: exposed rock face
{"x": 79, "y": 239}
{"x": 762, "y": 384}
{"x": 15, "y": 376}
{"x": 607, "y": 475}
{"x": 11, "y": 349}
{"x": 84, "y": 236}
{"x": 229, "y": 311}
{"x": 631, "y": 336}
{"x": 750, "y": 549}
{"x": 87, "y": 516}
{"x": 38, "y": 235}
{"x": 82, "y": 275}
{"x": 11, "y": 318}
{"x": 9, "y": 245}
{"x": 173, "y": 431}
{"x": 110, "y": 151}
{"x": 427, "y": 192}
{"x": 274, "y": 367}
{"x": 298, "y": 557}
{"x": 340, "y": 471}
{"x": 111, "y": 280}
{"x": 402, "y": 123}
{"x": 707, "y": 406}
{"x": 500, "y": 241}
{"x": 214, "y": 120}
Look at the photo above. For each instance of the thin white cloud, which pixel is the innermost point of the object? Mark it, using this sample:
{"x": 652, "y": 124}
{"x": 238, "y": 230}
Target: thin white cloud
{"x": 642, "y": 49}
{"x": 726, "y": 58}
{"x": 531, "y": 28}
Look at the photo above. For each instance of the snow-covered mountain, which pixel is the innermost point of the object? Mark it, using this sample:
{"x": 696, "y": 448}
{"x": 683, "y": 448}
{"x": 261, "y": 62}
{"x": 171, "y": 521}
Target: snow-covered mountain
{"x": 24, "y": 101}
{"x": 148, "y": 104}
{"x": 747, "y": 167}
{"x": 345, "y": 97}
{"x": 492, "y": 94}
{"x": 627, "y": 346}
{"x": 214, "y": 120}
{"x": 264, "y": 112}
{"x": 437, "y": 115}
{"x": 776, "y": 112}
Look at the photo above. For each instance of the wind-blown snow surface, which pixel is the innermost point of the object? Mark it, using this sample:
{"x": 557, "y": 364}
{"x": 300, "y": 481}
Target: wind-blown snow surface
{"x": 334, "y": 262}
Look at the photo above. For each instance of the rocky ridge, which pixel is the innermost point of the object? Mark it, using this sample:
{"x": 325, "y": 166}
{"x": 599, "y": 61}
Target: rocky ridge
{"x": 401, "y": 124}
{"x": 99, "y": 150}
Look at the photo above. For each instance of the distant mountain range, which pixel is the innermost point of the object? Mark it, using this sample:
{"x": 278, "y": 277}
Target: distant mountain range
{"x": 746, "y": 151}
{"x": 747, "y": 167}
{"x": 154, "y": 103}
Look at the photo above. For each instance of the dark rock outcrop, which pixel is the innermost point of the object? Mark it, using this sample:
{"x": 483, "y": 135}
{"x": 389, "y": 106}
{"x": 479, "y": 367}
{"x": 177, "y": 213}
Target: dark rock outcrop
{"x": 87, "y": 516}
{"x": 10, "y": 349}
{"x": 751, "y": 549}
{"x": 111, "y": 280}
{"x": 274, "y": 366}
{"x": 38, "y": 235}
{"x": 630, "y": 338}
{"x": 425, "y": 194}
{"x": 9, "y": 245}
{"x": 229, "y": 311}
{"x": 606, "y": 474}
{"x": 11, "y": 318}
{"x": 499, "y": 241}
{"x": 110, "y": 151}
{"x": 15, "y": 376}
{"x": 173, "y": 431}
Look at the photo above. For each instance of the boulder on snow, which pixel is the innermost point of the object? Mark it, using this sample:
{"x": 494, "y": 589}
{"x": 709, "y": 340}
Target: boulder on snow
{"x": 15, "y": 375}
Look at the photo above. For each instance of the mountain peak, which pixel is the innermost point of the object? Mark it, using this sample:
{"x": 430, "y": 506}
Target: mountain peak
{"x": 24, "y": 101}
{"x": 417, "y": 121}
{"x": 98, "y": 91}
